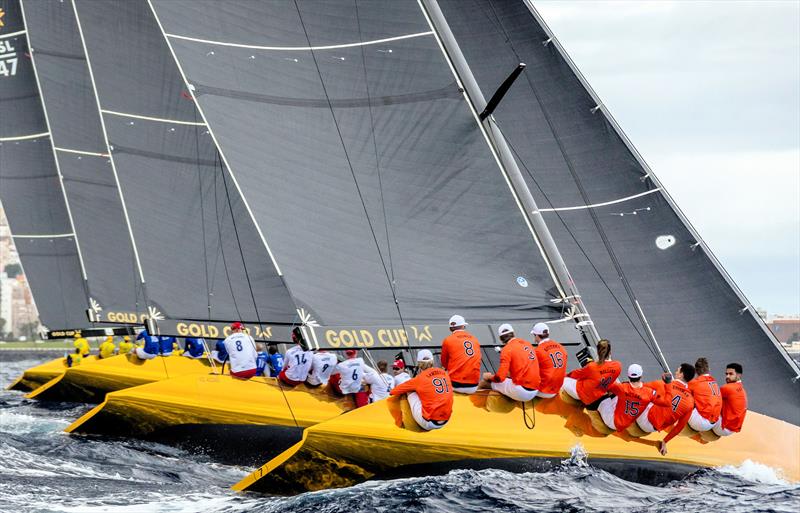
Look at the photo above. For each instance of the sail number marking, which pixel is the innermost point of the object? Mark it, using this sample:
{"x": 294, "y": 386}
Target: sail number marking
{"x": 8, "y": 59}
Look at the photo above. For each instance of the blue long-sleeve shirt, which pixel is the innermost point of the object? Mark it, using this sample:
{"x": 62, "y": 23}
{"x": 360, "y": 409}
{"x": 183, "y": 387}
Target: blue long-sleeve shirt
{"x": 222, "y": 353}
{"x": 194, "y": 346}
{"x": 151, "y": 344}
{"x": 166, "y": 344}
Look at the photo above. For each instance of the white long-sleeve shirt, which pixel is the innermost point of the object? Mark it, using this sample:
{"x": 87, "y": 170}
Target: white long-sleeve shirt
{"x": 322, "y": 367}
{"x": 297, "y": 363}
{"x": 352, "y": 371}
{"x": 379, "y": 385}
{"x": 242, "y": 352}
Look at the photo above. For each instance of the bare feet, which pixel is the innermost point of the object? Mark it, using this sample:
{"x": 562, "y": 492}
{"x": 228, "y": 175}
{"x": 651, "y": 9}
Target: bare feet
{"x": 662, "y": 447}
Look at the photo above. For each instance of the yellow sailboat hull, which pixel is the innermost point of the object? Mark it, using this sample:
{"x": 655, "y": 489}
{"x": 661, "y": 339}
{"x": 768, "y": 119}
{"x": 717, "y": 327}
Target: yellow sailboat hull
{"x": 488, "y": 428}
{"x": 37, "y": 376}
{"x": 91, "y": 383}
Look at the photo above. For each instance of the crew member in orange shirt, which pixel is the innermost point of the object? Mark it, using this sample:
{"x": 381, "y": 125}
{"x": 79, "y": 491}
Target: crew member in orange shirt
{"x": 658, "y": 418}
{"x": 461, "y": 357}
{"x": 430, "y": 393}
{"x": 707, "y": 398}
{"x": 734, "y": 402}
{"x": 552, "y": 361}
{"x": 590, "y": 384}
{"x": 630, "y": 399}
{"x": 518, "y": 374}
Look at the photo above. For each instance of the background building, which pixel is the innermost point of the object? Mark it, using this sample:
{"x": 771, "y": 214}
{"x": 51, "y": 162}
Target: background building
{"x": 18, "y": 315}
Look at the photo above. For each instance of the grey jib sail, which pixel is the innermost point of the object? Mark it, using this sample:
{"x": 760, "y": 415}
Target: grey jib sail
{"x": 201, "y": 255}
{"x": 29, "y": 186}
{"x": 364, "y": 167}
{"x": 79, "y": 147}
{"x": 575, "y": 157}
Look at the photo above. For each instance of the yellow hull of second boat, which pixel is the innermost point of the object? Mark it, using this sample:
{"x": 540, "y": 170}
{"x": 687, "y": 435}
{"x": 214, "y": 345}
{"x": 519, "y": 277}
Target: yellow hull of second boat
{"x": 209, "y": 399}
{"x": 92, "y": 383}
{"x": 37, "y": 376}
{"x": 371, "y": 441}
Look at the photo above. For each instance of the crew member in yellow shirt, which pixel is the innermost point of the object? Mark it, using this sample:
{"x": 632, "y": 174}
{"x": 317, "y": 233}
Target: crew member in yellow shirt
{"x": 107, "y": 348}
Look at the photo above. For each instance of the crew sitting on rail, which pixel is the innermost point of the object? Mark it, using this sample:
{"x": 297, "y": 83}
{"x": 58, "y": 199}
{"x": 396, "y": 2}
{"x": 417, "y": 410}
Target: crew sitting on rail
{"x": 194, "y": 347}
{"x": 658, "y": 418}
{"x": 126, "y": 345}
{"x": 430, "y": 393}
{"x": 350, "y": 374}
{"x": 707, "y": 398}
{"x": 461, "y": 357}
{"x": 242, "y": 352}
{"x": 517, "y": 376}
{"x": 631, "y": 398}
{"x": 166, "y": 345}
{"x": 322, "y": 366}
{"x": 399, "y": 372}
{"x": 734, "y": 402}
{"x": 261, "y": 359}
{"x": 380, "y": 382}
{"x": 297, "y": 361}
{"x": 82, "y": 344}
{"x": 150, "y": 348}
{"x": 552, "y": 359}
{"x": 220, "y": 354}
{"x": 274, "y": 361}
{"x": 75, "y": 359}
{"x": 590, "y": 384}
{"x": 107, "y": 348}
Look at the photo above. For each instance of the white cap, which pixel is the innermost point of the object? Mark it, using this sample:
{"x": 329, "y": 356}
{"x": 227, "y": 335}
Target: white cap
{"x": 635, "y": 370}
{"x": 457, "y": 320}
{"x": 539, "y": 329}
{"x": 424, "y": 354}
{"x": 505, "y": 329}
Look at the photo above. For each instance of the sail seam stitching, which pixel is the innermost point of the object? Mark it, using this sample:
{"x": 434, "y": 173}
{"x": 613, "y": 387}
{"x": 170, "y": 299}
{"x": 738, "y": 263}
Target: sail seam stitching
{"x": 151, "y": 118}
{"x": 596, "y": 205}
{"x": 300, "y": 48}
{"x": 24, "y": 137}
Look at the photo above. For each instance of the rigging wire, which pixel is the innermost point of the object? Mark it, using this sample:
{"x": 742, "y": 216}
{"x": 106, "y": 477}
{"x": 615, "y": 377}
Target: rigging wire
{"x": 652, "y": 343}
{"x": 202, "y": 212}
{"x": 350, "y": 165}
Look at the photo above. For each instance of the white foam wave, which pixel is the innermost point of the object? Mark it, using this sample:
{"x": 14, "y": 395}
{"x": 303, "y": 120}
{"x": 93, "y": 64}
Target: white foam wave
{"x": 15, "y": 462}
{"x": 755, "y": 472}
{"x": 21, "y": 423}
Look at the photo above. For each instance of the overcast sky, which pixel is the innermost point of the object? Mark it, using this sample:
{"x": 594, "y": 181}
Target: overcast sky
{"x": 709, "y": 92}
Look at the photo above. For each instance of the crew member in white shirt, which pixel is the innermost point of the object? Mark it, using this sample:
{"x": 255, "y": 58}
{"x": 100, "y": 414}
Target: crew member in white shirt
{"x": 380, "y": 383}
{"x": 242, "y": 352}
{"x": 351, "y": 372}
{"x": 400, "y": 373}
{"x": 322, "y": 366}
{"x": 296, "y": 362}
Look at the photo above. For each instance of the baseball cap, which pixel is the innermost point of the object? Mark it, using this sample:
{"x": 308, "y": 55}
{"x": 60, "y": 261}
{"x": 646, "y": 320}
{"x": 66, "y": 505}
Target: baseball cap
{"x": 505, "y": 329}
{"x": 236, "y": 325}
{"x": 399, "y": 364}
{"x": 635, "y": 371}
{"x": 540, "y": 328}
{"x": 424, "y": 354}
{"x": 457, "y": 320}
{"x": 351, "y": 352}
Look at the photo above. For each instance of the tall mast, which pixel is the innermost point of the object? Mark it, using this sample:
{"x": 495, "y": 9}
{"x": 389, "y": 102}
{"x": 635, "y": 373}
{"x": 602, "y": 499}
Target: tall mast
{"x": 557, "y": 266}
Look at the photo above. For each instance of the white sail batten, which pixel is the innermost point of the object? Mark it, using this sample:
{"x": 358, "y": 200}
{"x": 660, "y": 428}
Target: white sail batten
{"x": 596, "y": 205}
{"x": 24, "y": 137}
{"x": 300, "y": 48}
{"x": 151, "y": 118}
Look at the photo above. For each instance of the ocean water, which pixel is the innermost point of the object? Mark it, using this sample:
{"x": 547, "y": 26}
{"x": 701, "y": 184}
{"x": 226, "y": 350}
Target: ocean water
{"x": 43, "y": 469}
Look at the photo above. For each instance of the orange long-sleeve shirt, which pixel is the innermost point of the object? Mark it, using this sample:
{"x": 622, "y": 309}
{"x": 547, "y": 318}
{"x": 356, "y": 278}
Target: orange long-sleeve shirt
{"x": 707, "y": 398}
{"x": 435, "y": 392}
{"x": 552, "y": 359}
{"x": 678, "y": 412}
{"x": 594, "y": 379}
{"x": 734, "y": 406}
{"x": 461, "y": 357}
{"x": 518, "y": 361}
{"x": 631, "y": 402}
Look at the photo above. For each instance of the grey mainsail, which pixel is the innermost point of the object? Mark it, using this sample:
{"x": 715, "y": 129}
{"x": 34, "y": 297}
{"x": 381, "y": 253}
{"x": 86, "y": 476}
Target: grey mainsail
{"x": 30, "y": 189}
{"x": 379, "y": 197}
{"x": 615, "y": 210}
{"x": 201, "y": 255}
{"x": 115, "y": 291}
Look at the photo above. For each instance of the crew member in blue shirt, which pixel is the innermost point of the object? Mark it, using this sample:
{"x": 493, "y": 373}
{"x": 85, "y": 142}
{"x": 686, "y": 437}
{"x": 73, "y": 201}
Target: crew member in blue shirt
{"x": 219, "y": 353}
{"x": 166, "y": 345}
{"x": 194, "y": 347}
{"x": 275, "y": 361}
{"x": 261, "y": 360}
{"x": 151, "y": 346}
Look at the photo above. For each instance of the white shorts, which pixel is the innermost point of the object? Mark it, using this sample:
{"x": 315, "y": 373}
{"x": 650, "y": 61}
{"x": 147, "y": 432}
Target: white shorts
{"x": 698, "y": 422}
{"x": 516, "y": 392}
{"x": 167, "y": 354}
{"x": 416, "y": 412}
{"x": 187, "y": 354}
{"x": 215, "y": 356}
{"x": 545, "y": 396}
{"x": 570, "y": 386}
{"x": 606, "y": 411}
{"x": 643, "y": 422}
{"x": 140, "y": 352}
{"x": 719, "y": 430}
{"x": 465, "y": 390}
